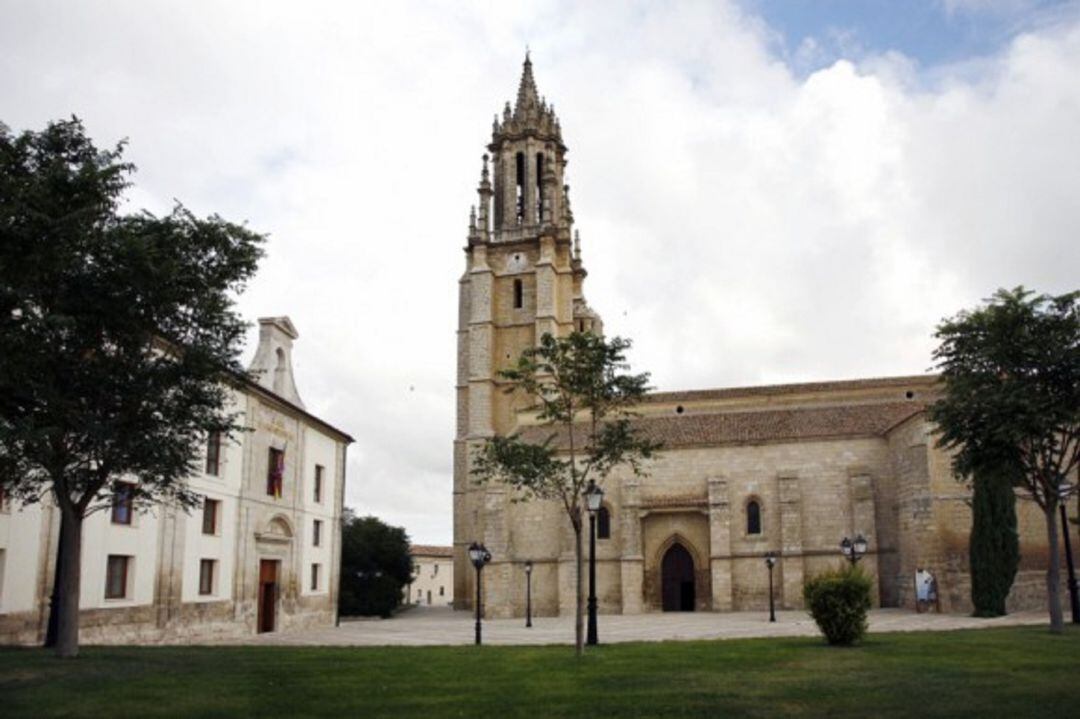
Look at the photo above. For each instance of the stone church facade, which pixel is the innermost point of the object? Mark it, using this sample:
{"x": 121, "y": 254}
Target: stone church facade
{"x": 261, "y": 554}
{"x": 790, "y": 469}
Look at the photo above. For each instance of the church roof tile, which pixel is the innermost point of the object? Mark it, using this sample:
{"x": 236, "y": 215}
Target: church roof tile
{"x": 750, "y": 427}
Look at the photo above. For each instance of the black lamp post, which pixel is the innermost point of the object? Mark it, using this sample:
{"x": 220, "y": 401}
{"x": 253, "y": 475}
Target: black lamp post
{"x": 770, "y": 562}
{"x": 1074, "y": 600}
{"x": 853, "y": 549}
{"x": 528, "y": 594}
{"x": 594, "y": 497}
{"x": 479, "y": 556}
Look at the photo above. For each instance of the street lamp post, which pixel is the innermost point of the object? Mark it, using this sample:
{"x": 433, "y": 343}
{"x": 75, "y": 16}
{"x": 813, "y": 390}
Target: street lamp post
{"x": 479, "y": 556}
{"x": 770, "y": 562}
{"x": 594, "y": 497}
{"x": 1074, "y": 600}
{"x": 854, "y": 549}
{"x": 528, "y": 594}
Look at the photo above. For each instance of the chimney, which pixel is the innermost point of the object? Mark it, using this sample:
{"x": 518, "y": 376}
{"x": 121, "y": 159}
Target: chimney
{"x": 272, "y": 365}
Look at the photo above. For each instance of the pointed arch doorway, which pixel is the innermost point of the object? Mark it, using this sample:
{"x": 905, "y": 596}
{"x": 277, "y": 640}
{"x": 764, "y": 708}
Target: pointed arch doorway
{"x": 677, "y": 580}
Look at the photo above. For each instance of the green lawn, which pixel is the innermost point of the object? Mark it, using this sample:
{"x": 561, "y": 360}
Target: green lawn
{"x": 992, "y": 672}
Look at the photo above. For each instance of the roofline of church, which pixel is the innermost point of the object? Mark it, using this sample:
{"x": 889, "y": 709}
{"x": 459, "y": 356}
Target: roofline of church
{"x": 923, "y": 380}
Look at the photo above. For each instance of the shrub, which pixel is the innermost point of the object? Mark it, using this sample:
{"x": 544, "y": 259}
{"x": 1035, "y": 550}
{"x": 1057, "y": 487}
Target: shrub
{"x": 838, "y": 601}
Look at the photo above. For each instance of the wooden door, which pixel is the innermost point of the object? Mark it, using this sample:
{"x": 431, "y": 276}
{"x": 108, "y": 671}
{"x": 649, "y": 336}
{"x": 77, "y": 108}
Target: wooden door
{"x": 268, "y": 592}
{"x": 677, "y": 580}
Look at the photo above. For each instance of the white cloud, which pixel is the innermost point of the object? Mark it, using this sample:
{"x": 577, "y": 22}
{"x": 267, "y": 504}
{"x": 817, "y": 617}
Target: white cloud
{"x": 742, "y": 223}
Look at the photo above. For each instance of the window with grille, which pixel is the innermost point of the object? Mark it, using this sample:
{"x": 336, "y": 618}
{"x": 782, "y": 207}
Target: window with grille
{"x": 213, "y": 454}
{"x": 275, "y": 472}
{"x": 116, "y": 576}
{"x": 206, "y": 576}
{"x": 210, "y": 516}
{"x": 122, "y": 503}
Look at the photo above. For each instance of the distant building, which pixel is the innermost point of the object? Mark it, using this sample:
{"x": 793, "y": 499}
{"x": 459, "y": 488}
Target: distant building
{"x": 261, "y": 554}
{"x": 433, "y": 576}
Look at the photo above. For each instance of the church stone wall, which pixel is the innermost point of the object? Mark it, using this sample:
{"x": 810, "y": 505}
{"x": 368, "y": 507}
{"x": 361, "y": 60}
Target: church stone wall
{"x": 811, "y": 495}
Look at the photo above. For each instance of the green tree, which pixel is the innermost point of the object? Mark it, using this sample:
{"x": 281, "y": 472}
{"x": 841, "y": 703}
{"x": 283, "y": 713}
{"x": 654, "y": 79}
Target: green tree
{"x": 1011, "y": 400}
{"x": 586, "y": 397}
{"x": 994, "y": 547}
{"x": 375, "y": 566}
{"x": 119, "y": 338}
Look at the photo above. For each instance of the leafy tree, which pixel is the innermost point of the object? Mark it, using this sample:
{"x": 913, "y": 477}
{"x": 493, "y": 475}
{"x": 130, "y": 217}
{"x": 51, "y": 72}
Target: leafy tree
{"x": 119, "y": 338}
{"x": 375, "y": 565}
{"x": 584, "y": 393}
{"x": 994, "y": 547}
{"x": 1011, "y": 373}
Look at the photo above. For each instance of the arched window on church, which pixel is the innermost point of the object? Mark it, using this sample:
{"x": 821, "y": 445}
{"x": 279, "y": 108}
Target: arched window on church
{"x": 519, "y": 295}
{"x": 603, "y": 523}
{"x": 753, "y": 517}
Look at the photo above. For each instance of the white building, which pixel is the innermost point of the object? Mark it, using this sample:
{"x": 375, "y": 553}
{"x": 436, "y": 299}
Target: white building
{"x": 262, "y": 554}
{"x": 433, "y": 576}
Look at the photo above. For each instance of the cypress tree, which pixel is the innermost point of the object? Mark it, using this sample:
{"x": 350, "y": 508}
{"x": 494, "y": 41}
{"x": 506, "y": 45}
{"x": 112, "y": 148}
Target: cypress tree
{"x": 994, "y": 547}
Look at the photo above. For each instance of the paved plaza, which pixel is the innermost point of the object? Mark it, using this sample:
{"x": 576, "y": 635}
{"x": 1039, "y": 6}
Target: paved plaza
{"x": 430, "y": 626}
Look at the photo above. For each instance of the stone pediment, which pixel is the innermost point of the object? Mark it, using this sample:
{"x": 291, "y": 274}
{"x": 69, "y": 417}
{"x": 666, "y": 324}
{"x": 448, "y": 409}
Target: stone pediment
{"x": 277, "y": 531}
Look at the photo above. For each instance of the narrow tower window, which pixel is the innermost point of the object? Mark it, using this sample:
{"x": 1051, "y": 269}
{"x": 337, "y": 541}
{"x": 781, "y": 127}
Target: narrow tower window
{"x": 500, "y": 183}
{"x": 753, "y": 517}
{"x": 520, "y": 187}
{"x": 279, "y": 371}
{"x": 539, "y": 186}
{"x": 519, "y": 295}
{"x": 603, "y": 523}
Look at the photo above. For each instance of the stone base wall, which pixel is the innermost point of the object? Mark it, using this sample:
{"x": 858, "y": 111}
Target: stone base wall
{"x": 196, "y": 622}
{"x": 20, "y": 628}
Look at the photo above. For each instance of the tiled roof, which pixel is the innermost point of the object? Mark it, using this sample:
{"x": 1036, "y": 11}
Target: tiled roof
{"x": 782, "y": 389}
{"x": 430, "y": 550}
{"x": 702, "y": 429}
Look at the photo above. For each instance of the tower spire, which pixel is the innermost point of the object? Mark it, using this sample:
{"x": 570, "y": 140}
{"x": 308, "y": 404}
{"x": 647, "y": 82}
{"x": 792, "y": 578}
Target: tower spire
{"x": 528, "y": 99}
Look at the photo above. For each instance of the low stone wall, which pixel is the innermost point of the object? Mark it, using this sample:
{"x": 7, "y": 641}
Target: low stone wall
{"x": 20, "y": 628}
{"x": 146, "y": 624}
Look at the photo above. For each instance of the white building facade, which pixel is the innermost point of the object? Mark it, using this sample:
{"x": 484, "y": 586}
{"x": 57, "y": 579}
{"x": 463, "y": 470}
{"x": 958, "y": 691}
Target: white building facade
{"x": 261, "y": 554}
{"x": 433, "y": 576}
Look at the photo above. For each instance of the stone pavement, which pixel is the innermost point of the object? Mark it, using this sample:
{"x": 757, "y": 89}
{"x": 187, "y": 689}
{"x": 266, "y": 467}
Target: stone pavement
{"x": 427, "y": 626}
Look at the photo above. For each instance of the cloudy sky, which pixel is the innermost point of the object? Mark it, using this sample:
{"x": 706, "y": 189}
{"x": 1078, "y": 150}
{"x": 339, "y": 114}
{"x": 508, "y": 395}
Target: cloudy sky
{"x": 767, "y": 190}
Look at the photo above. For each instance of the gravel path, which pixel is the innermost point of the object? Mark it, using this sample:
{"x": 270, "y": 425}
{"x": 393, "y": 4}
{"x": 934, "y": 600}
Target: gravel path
{"x": 428, "y": 626}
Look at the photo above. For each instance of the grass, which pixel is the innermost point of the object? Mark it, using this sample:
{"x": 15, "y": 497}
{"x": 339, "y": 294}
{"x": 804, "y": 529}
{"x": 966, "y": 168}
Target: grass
{"x": 1013, "y": 672}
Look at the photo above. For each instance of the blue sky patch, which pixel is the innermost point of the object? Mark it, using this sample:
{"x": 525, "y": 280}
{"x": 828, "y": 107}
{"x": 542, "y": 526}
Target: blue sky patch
{"x": 815, "y": 33}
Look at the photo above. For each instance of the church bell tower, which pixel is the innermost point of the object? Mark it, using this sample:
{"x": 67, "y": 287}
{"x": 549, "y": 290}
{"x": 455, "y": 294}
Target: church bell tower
{"x": 523, "y": 278}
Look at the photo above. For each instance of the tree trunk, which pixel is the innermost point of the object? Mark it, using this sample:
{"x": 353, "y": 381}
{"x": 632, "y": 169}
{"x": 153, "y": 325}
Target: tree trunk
{"x": 579, "y": 609}
{"x": 54, "y": 597}
{"x": 1053, "y": 571}
{"x": 67, "y": 607}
